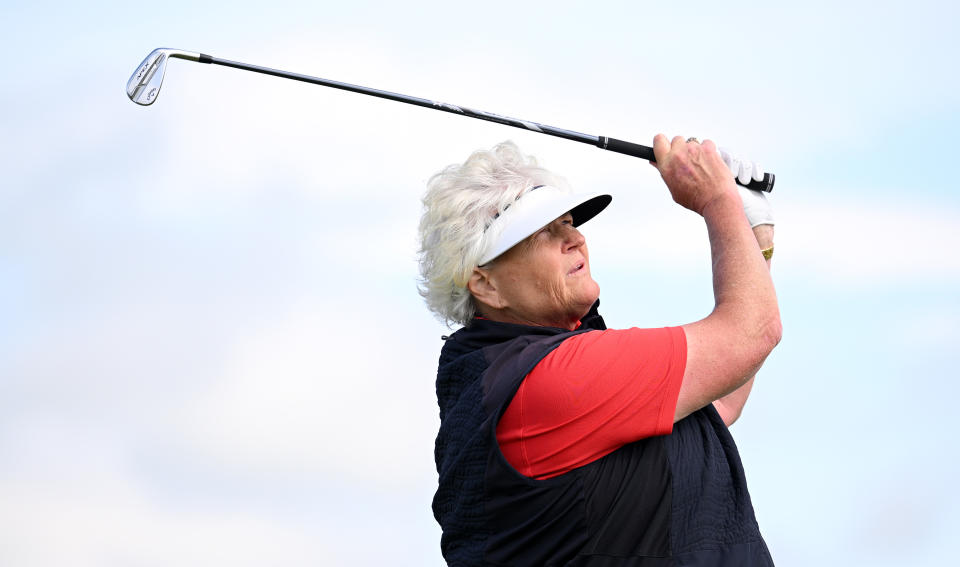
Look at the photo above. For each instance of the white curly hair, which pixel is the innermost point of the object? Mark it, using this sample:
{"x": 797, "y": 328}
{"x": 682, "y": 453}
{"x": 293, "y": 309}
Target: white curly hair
{"x": 460, "y": 202}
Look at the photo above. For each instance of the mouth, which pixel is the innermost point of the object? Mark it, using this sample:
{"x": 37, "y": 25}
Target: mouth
{"x": 577, "y": 268}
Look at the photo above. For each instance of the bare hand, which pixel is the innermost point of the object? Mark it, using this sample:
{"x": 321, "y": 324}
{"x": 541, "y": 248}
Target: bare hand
{"x": 694, "y": 172}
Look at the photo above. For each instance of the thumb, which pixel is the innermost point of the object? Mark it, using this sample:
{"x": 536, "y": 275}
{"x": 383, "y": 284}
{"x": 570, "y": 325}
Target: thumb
{"x": 660, "y": 147}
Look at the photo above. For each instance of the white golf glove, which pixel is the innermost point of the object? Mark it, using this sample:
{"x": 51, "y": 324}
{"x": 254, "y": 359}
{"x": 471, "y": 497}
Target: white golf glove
{"x": 755, "y": 203}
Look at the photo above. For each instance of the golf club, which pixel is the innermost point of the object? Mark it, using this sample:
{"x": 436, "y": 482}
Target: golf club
{"x": 144, "y": 87}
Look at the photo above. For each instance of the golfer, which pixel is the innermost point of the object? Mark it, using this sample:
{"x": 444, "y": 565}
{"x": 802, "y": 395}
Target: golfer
{"x": 563, "y": 442}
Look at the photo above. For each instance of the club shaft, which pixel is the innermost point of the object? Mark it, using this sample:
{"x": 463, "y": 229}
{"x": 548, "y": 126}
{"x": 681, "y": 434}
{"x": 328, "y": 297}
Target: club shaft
{"x": 451, "y": 108}
{"x": 603, "y": 142}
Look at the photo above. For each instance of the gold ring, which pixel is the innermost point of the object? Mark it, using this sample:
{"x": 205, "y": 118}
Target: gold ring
{"x": 692, "y": 139}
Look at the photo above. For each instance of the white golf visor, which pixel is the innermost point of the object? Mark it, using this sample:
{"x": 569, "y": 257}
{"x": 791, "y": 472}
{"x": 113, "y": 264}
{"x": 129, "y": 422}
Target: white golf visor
{"x": 534, "y": 209}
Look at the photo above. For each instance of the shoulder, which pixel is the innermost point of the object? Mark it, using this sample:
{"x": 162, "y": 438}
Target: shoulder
{"x": 611, "y": 347}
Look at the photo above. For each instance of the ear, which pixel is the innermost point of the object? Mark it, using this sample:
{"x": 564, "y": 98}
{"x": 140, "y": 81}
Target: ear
{"x": 484, "y": 289}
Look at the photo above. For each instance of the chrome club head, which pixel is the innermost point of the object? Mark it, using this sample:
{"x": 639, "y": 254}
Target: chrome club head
{"x": 144, "y": 85}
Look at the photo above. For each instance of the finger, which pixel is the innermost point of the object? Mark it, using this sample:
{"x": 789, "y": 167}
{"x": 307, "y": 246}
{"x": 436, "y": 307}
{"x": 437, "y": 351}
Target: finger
{"x": 677, "y": 142}
{"x": 757, "y": 172}
{"x": 727, "y": 158}
{"x": 734, "y": 165}
{"x": 660, "y": 147}
{"x": 708, "y": 146}
{"x": 746, "y": 169}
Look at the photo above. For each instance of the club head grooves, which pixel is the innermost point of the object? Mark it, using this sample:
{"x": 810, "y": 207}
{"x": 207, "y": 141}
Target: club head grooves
{"x": 144, "y": 84}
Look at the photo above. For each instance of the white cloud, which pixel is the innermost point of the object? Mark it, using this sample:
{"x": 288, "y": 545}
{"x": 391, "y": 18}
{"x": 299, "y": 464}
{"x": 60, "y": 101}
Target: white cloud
{"x": 70, "y": 498}
{"x": 843, "y": 242}
{"x": 875, "y": 243}
{"x": 325, "y": 386}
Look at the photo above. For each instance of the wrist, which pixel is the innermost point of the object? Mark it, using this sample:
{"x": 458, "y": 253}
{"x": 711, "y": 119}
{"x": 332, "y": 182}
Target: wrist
{"x": 764, "y": 235}
{"x": 723, "y": 204}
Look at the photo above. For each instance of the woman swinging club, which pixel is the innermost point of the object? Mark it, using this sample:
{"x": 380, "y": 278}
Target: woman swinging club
{"x": 563, "y": 442}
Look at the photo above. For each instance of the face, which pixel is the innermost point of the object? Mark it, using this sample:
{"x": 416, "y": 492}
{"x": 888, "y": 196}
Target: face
{"x": 545, "y": 280}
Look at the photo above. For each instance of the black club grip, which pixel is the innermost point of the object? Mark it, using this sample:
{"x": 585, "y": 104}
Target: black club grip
{"x": 646, "y": 152}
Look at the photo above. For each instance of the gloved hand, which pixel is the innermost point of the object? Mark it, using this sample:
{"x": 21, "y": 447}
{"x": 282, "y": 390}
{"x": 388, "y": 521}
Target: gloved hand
{"x": 755, "y": 203}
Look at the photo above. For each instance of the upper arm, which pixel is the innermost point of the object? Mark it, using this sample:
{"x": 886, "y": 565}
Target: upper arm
{"x": 593, "y": 394}
{"x": 721, "y": 357}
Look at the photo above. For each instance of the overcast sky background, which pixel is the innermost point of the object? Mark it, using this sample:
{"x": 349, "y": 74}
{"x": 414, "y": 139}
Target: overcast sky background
{"x": 212, "y": 351}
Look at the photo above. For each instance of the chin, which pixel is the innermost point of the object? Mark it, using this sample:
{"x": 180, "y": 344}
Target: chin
{"x": 589, "y": 298}
{"x": 594, "y": 291}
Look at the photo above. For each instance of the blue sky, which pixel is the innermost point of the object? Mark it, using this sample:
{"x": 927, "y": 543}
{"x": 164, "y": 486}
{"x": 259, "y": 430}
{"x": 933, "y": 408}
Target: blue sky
{"x": 189, "y": 292}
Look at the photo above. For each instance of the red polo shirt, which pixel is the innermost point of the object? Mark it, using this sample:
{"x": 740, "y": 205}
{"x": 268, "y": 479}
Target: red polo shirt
{"x": 593, "y": 394}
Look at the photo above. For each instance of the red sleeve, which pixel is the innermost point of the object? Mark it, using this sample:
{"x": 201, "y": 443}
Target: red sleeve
{"x": 593, "y": 394}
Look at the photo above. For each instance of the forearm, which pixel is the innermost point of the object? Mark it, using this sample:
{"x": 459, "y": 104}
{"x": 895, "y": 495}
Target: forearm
{"x": 743, "y": 291}
{"x": 731, "y": 406}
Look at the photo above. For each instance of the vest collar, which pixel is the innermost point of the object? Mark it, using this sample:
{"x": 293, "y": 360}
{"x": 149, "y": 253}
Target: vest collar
{"x": 484, "y": 332}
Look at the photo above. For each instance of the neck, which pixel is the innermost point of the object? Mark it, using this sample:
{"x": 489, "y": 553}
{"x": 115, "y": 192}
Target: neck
{"x": 510, "y": 316}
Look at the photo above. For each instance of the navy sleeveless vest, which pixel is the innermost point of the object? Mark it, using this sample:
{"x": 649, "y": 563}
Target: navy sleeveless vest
{"x": 675, "y": 500}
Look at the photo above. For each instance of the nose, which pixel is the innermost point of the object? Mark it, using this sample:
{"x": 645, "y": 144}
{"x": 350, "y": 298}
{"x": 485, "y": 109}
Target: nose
{"x": 572, "y": 238}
